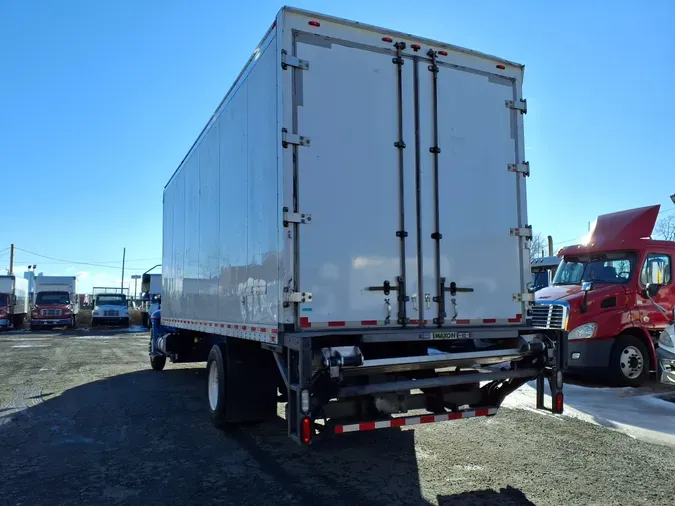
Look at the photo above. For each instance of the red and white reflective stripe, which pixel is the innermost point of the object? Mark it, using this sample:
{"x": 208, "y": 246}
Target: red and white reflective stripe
{"x": 306, "y": 324}
{"x": 254, "y": 332}
{"x": 414, "y": 420}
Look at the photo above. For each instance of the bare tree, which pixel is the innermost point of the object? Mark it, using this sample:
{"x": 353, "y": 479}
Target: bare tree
{"x": 665, "y": 228}
{"x": 539, "y": 245}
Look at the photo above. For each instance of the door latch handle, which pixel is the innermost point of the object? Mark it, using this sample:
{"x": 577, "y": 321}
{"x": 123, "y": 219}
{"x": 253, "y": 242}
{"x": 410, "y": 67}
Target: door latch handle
{"x": 427, "y": 300}
{"x": 414, "y": 301}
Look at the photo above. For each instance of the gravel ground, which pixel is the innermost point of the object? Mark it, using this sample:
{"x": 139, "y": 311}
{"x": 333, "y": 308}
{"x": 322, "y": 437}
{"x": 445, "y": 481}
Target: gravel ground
{"x": 84, "y": 421}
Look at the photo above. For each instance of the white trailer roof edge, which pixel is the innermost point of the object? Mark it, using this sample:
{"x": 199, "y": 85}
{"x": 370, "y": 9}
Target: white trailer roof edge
{"x": 386, "y": 31}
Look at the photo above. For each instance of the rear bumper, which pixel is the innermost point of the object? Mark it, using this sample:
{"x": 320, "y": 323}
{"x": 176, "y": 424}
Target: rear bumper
{"x": 666, "y": 366}
{"x": 110, "y": 319}
{"x": 589, "y": 354}
{"x": 51, "y": 322}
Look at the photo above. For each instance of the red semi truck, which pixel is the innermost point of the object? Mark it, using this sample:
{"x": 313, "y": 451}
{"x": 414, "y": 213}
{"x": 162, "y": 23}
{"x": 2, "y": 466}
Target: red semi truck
{"x": 613, "y": 294}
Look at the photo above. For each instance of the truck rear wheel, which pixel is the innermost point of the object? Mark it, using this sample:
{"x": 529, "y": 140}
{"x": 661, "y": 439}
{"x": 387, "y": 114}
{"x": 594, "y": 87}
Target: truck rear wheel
{"x": 629, "y": 363}
{"x": 241, "y": 381}
{"x": 158, "y": 362}
{"x": 216, "y": 386}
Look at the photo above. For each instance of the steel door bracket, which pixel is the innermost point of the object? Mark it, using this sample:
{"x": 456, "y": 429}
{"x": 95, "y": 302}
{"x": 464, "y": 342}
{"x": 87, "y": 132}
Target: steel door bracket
{"x": 521, "y": 232}
{"x": 291, "y": 297}
{"x": 523, "y": 297}
{"x": 293, "y": 61}
{"x": 296, "y": 217}
{"x": 298, "y": 140}
{"x": 520, "y": 105}
{"x": 523, "y": 168}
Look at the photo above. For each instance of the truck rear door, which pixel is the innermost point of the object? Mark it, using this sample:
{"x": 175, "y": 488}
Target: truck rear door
{"x": 407, "y": 182}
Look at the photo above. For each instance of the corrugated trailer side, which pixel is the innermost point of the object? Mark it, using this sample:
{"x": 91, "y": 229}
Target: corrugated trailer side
{"x": 222, "y": 213}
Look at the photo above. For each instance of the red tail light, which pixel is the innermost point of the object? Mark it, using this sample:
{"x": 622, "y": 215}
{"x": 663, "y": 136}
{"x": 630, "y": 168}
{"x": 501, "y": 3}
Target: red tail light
{"x": 501, "y": 67}
{"x": 387, "y": 39}
{"x": 558, "y": 407}
{"x": 443, "y": 53}
{"x": 306, "y": 430}
{"x": 314, "y": 23}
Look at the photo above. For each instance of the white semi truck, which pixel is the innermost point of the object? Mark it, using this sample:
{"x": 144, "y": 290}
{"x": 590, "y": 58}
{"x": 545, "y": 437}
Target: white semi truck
{"x": 14, "y": 301}
{"x": 328, "y": 240}
{"x": 55, "y": 302}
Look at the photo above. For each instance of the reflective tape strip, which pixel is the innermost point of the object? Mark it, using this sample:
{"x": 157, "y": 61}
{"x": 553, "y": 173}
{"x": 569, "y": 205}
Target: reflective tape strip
{"x": 257, "y": 333}
{"x": 414, "y": 420}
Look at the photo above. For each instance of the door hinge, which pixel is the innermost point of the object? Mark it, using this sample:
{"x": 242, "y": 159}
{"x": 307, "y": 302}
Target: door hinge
{"x": 291, "y": 297}
{"x": 298, "y": 140}
{"x": 520, "y": 105}
{"x": 523, "y": 297}
{"x": 521, "y": 232}
{"x": 295, "y": 217}
{"x": 293, "y": 61}
{"x": 523, "y": 168}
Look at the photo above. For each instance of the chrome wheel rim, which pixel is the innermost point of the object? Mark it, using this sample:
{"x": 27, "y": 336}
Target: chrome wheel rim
{"x": 213, "y": 386}
{"x": 631, "y": 362}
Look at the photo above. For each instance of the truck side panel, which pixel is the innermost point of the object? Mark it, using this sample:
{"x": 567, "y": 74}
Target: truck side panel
{"x": 221, "y": 265}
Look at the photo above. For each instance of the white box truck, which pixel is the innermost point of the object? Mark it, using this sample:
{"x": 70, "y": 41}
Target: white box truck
{"x": 55, "y": 303}
{"x": 151, "y": 295}
{"x": 14, "y": 302}
{"x": 331, "y": 234}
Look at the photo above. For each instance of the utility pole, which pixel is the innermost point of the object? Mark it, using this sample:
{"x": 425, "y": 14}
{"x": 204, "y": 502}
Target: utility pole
{"x": 124, "y": 256}
{"x": 11, "y": 259}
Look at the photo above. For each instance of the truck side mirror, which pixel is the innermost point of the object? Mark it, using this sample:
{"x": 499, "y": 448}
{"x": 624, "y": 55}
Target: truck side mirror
{"x": 587, "y": 286}
{"x": 652, "y": 289}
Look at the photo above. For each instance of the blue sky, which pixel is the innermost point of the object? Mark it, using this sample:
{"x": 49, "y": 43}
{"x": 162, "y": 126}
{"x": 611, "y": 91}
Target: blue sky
{"x": 101, "y": 101}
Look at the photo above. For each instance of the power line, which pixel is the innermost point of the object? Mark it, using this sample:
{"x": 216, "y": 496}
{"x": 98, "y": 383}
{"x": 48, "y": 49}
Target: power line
{"x": 68, "y": 261}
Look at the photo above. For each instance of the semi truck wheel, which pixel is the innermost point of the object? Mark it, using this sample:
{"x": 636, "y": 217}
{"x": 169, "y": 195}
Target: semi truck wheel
{"x": 629, "y": 362}
{"x": 157, "y": 363}
{"x": 73, "y": 324}
{"x": 216, "y": 386}
{"x": 127, "y": 322}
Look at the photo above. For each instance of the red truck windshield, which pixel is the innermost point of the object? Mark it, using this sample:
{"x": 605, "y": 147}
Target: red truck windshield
{"x": 52, "y": 298}
{"x": 610, "y": 268}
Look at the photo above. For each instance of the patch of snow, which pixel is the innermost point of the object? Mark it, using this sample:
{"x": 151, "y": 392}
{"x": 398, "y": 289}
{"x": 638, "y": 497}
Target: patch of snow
{"x": 30, "y": 346}
{"x": 637, "y": 412}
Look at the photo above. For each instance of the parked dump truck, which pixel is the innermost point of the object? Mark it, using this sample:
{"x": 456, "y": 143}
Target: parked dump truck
{"x": 328, "y": 240}
{"x": 14, "y": 301}
{"x": 615, "y": 294}
{"x": 55, "y": 302}
{"x": 151, "y": 296}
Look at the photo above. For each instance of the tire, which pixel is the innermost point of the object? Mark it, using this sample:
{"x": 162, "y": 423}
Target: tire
{"x": 17, "y": 321}
{"x": 158, "y": 362}
{"x": 94, "y": 322}
{"x": 34, "y": 328}
{"x": 73, "y": 324}
{"x": 629, "y": 362}
{"x": 127, "y": 322}
{"x": 216, "y": 388}
{"x": 146, "y": 320}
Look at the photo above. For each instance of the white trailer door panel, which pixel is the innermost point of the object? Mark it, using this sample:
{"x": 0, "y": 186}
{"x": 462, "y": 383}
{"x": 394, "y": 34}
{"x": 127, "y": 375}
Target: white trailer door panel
{"x": 477, "y": 197}
{"x": 349, "y": 181}
{"x": 403, "y": 233}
